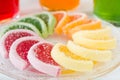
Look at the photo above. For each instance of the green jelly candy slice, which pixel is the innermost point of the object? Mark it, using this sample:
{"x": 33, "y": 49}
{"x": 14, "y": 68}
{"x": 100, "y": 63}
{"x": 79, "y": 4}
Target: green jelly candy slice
{"x": 38, "y": 23}
{"x": 19, "y": 25}
{"x": 49, "y": 19}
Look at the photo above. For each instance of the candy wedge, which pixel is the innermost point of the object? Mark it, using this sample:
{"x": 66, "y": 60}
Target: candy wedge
{"x": 38, "y": 23}
{"x": 19, "y": 51}
{"x": 59, "y": 54}
{"x": 40, "y": 58}
{"x": 76, "y": 19}
{"x": 99, "y": 34}
{"x": 62, "y": 19}
{"x": 49, "y": 20}
{"x": 88, "y": 25}
{"x": 100, "y": 44}
{"x": 19, "y": 25}
{"x": 91, "y": 54}
{"x": 9, "y": 37}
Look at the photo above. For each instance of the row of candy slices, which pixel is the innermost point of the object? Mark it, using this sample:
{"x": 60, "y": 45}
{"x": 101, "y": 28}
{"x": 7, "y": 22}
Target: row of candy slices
{"x": 43, "y": 56}
{"x": 87, "y": 48}
{"x": 91, "y": 41}
{"x": 43, "y": 24}
{"x": 57, "y": 69}
{"x": 68, "y": 24}
{"x": 24, "y": 47}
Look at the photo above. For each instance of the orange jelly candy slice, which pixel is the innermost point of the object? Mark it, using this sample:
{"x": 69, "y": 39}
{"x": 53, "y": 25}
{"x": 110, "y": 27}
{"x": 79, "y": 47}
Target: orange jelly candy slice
{"x": 75, "y": 20}
{"x": 62, "y": 19}
{"x": 88, "y": 25}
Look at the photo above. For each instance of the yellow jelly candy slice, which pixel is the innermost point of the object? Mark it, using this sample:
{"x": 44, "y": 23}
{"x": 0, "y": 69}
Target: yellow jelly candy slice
{"x": 95, "y": 55}
{"x": 100, "y": 44}
{"x": 98, "y": 34}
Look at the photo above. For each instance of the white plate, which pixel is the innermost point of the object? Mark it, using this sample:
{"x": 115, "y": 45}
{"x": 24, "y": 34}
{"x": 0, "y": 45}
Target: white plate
{"x": 8, "y": 69}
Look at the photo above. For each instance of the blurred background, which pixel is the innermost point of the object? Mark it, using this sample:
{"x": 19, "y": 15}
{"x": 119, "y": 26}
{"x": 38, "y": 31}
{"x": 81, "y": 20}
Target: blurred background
{"x": 26, "y": 6}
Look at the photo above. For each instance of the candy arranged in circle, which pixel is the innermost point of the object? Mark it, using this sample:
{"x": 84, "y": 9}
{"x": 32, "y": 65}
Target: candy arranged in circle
{"x": 91, "y": 44}
{"x": 9, "y": 37}
{"x": 19, "y": 51}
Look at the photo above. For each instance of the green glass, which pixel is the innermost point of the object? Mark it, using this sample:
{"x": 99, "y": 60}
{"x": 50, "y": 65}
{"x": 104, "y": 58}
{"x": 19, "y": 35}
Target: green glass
{"x": 108, "y": 10}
